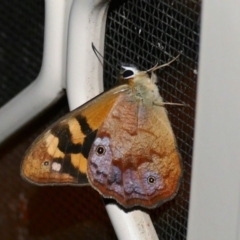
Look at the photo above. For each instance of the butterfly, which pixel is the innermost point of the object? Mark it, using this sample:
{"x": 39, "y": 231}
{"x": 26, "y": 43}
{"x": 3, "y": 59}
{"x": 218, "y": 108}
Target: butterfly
{"x": 120, "y": 142}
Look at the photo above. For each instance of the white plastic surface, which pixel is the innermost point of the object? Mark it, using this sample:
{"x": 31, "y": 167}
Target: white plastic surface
{"x": 84, "y": 73}
{"x": 131, "y": 225}
{"x": 49, "y": 83}
{"x": 84, "y": 81}
{"x": 215, "y": 187}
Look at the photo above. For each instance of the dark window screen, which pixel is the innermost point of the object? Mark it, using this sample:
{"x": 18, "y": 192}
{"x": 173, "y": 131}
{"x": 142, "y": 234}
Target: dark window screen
{"x": 139, "y": 32}
{"x": 144, "y": 33}
{"x": 21, "y": 45}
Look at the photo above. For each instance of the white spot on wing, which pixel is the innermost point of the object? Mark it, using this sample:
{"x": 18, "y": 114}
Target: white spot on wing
{"x": 56, "y": 167}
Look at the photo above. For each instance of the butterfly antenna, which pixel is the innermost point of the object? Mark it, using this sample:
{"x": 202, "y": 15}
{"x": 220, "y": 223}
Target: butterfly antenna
{"x": 164, "y": 65}
{"x": 98, "y": 54}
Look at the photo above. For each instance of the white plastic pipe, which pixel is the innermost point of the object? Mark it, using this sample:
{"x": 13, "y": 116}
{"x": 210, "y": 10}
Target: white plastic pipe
{"x": 215, "y": 187}
{"x": 49, "y": 83}
{"x": 131, "y": 225}
{"x": 84, "y": 81}
{"x": 84, "y": 73}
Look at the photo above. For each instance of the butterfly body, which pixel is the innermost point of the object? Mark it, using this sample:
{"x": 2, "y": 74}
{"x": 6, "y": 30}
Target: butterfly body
{"x": 121, "y": 143}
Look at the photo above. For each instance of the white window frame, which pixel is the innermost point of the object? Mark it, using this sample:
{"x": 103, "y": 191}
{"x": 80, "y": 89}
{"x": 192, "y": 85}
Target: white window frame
{"x": 214, "y": 200}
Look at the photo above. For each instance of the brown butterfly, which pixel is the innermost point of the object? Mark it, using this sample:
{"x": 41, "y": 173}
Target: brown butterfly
{"x": 121, "y": 142}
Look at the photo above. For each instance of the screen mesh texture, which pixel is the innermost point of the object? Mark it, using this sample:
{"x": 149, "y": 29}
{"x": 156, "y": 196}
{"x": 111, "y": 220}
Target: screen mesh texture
{"x": 21, "y": 45}
{"x": 144, "y": 33}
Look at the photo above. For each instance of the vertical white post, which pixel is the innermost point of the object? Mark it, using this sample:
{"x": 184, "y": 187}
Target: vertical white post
{"x": 214, "y": 202}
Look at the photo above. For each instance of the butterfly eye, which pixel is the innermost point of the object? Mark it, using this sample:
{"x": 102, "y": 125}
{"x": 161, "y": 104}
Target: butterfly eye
{"x": 127, "y": 74}
{"x": 46, "y": 163}
{"x": 100, "y": 150}
{"x": 151, "y": 179}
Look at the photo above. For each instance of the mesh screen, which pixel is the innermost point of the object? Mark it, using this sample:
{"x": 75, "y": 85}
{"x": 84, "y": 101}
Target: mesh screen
{"x": 142, "y": 33}
{"x": 21, "y": 45}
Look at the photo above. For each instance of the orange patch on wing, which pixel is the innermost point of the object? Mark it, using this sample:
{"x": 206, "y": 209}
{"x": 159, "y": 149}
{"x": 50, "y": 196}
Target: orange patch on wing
{"x": 99, "y": 108}
{"x": 52, "y": 147}
{"x": 80, "y": 162}
{"x": 76, "y": 132}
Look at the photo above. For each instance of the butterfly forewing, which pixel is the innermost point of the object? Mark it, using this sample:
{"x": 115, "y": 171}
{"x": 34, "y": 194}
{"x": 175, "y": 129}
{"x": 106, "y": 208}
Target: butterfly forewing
{"x": 59, "y": 155}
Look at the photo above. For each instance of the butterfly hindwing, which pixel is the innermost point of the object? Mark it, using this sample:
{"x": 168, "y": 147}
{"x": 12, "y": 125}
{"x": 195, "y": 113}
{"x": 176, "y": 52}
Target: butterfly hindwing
{"x": 134, "y": 158}
{"x": 59, "y": 155}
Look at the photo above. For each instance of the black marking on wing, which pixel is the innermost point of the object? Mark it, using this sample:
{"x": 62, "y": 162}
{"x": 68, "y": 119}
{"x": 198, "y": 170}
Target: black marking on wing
{"x": 68, "y": 168}
{"x": 65, "y": 144}
{"x": 86, "y": 129}
{"x": 88, "y": 141}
